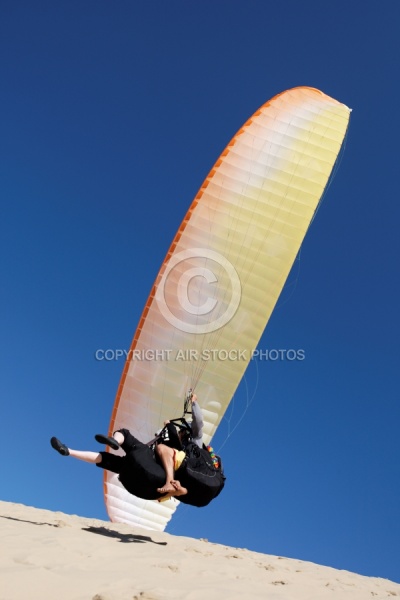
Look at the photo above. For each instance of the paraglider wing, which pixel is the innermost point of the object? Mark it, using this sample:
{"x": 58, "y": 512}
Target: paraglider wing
{"x": 223, "y": 274}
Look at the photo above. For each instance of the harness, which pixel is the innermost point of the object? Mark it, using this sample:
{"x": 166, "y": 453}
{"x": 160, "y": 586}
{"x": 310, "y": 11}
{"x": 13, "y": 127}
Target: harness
{"x": 182, "y": 423}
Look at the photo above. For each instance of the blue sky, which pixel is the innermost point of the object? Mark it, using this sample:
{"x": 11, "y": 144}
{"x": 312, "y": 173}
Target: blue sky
{"x": 112, "y": 116}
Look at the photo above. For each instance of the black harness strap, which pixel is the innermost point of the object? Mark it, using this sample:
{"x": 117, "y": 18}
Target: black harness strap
{"x": 181, "y": 421}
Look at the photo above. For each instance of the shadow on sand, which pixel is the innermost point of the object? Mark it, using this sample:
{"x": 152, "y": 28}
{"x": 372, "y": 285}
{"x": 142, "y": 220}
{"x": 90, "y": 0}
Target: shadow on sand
{"x": 32, "y": 522}
{"x": 125, "y": 538}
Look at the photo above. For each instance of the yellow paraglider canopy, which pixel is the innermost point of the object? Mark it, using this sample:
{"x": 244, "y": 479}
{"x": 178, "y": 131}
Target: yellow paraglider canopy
{"x": 223, "y": 274}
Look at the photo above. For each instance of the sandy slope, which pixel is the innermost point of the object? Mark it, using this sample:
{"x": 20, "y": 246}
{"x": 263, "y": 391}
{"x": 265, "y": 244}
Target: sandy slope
{"x": 53, "y": 556}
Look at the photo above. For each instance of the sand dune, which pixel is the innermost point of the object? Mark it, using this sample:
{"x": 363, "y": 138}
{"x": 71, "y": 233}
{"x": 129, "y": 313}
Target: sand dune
{"x": 52, "y": 556}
